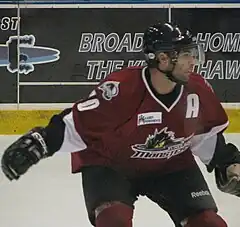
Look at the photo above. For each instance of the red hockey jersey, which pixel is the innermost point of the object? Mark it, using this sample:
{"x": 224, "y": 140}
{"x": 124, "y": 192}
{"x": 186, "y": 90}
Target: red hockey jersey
{"x": 123, "y": 125}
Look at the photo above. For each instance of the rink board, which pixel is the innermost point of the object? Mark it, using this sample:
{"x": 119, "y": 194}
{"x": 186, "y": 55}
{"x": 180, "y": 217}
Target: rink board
{"x": 19, "y": 121}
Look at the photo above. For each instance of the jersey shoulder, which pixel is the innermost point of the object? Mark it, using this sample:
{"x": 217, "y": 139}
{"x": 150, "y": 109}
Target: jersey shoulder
{"x": 198, "y": 82}
{"x": 129, "y": 74}
{"x": 125, "y": 82}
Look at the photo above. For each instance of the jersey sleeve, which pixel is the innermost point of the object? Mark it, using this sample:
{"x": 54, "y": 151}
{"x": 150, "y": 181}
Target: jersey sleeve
{"x": 213, "y": 120}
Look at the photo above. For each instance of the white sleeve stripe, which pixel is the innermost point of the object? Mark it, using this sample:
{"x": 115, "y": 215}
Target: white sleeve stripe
{"x": 72, "y": 140}
{"x": 206, "y": 150}
{"x": 199, "y": 139}
{"x": 203, "y": 145}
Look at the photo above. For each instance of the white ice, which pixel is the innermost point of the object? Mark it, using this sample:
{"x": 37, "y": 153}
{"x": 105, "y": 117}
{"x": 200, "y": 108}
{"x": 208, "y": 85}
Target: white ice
{"x": 50, "y": 196}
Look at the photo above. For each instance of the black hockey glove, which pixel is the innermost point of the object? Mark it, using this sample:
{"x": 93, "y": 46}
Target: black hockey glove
{"x": 35, "y": 145}
{"x": 228, "y": 179}
{"x": 24, "y": 153}
{"x": 227, "y": 174}
{"x": 226, "y": 166}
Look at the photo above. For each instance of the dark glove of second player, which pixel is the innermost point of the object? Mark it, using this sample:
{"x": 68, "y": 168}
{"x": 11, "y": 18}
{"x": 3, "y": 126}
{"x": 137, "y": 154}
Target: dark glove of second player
{"x": 24, "y": 153}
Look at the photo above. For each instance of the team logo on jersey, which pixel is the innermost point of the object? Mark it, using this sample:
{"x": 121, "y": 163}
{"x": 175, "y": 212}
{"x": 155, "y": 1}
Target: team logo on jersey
{"x": 109, "y": 89}
{"x": 161, "y": 145}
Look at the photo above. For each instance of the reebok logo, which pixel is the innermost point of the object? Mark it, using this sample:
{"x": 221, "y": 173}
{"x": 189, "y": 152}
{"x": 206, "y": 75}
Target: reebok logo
{"x": 198, "y": 194}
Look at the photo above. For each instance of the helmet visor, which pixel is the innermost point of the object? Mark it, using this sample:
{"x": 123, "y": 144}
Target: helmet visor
{"x": 194, "y": 51}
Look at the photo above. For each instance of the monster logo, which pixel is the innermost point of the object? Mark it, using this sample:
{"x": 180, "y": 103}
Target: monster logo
{"x": 161, "y": 145}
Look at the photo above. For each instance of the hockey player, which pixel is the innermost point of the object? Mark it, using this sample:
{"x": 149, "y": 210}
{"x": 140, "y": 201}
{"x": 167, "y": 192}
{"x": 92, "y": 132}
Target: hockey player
{"x": 136, "y": 134}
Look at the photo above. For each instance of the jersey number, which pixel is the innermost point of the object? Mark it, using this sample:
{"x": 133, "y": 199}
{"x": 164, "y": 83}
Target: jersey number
{"x": 89, "y": 104}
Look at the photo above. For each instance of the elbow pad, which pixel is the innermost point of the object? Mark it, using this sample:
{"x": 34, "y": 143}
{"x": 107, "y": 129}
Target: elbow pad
{"x": 54, "y": 131}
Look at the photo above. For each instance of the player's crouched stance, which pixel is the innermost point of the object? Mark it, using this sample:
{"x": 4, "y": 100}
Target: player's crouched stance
{"x": 135, "y": 135}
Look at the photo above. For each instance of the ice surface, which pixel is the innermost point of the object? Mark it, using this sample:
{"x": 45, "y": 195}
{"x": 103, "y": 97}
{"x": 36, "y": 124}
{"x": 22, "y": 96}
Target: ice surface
{"x": 50, "y": 196}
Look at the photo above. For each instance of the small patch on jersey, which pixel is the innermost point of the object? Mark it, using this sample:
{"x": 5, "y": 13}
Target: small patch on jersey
{"x": 109, "y": 89}
{"x": 149, "y": 118}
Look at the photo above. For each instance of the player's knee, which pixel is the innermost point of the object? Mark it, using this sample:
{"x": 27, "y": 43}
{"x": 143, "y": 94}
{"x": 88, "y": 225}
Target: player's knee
{"x": 206, "y": 218}
{"x": 114, "y": 214}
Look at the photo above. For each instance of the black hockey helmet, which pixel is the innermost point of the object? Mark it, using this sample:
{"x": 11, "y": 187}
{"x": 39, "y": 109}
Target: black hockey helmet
{"x": 170, "y": 39}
